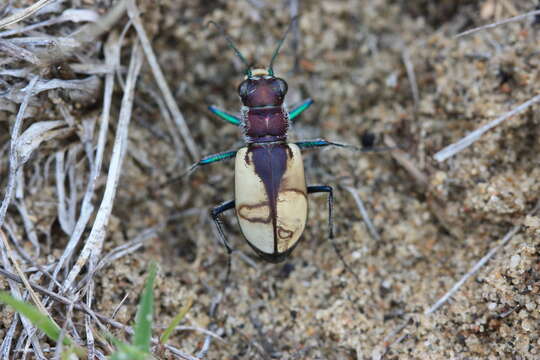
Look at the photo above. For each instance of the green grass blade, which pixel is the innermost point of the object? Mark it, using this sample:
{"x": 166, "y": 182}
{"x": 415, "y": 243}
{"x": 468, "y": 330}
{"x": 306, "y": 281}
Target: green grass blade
{"x": 41, "y": 321}
{"x": 169, "y": 330}
{"x": 123, "y": 350}
{"x": 131, "y": 352}
{"x": 143, "y": 319}
{"x": 78, "y": 351}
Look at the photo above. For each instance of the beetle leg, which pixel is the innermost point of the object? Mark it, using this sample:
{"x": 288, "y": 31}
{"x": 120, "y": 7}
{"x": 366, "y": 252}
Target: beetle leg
{"x": 233, "y": 119}
{"x": 328, "y": 189}
{"x": 298, "y": 109}
{"x": 213, "y": 158}
{"x": 217, "y": 299}
{"x": 219, "y": 225}
{"x": 307, "y": 144}
{"x": 204, "y": 161}
{"x": 320, "y": 143}
{"x": 216, "y": 157}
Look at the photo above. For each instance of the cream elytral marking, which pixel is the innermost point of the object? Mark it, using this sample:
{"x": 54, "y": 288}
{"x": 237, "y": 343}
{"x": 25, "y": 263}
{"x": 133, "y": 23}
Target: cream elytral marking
{"x": 251, "y": 202}
{"x": 292, "y": 206}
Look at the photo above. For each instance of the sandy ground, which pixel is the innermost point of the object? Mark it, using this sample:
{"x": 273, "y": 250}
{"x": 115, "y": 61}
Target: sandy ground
{"x": 435, "y": 220}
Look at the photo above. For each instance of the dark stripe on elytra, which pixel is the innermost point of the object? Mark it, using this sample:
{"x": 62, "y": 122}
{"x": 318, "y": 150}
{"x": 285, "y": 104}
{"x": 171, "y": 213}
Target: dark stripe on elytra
{"x": 265, "y": 220}
{"x": 270, "y": 163}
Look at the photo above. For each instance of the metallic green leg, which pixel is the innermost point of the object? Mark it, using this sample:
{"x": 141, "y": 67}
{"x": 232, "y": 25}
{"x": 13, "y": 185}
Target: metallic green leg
{"x": 204, "y": 161}
{"x": 366, "y": 148}
{"x": 213, "y": 158}
{"x": 321, "y": 143}
{"x": 297, "y": 110}
{"x": 233, "y": 119}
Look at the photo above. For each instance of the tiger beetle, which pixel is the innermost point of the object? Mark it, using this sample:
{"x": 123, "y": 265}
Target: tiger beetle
{"x": 270, "y": 187}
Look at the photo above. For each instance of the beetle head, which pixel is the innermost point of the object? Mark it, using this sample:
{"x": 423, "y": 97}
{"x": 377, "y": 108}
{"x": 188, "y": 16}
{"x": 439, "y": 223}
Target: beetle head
{"x": 260, "y": 88}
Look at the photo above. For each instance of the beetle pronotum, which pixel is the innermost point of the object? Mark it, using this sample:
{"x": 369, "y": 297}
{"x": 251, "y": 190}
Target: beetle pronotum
{"x": 270, "y": 187}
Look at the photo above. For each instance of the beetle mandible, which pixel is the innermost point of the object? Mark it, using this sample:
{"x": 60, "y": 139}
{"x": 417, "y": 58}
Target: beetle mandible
{"x": 270, "y": 188}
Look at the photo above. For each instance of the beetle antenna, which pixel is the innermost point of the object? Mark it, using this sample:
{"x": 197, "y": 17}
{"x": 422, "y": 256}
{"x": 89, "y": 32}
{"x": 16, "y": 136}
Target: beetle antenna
{"x": 276, "y": 52}
{"x": 231, "y": 45}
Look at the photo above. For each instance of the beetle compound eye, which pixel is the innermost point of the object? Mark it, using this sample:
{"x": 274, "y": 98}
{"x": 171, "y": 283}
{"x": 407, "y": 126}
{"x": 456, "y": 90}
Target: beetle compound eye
{"x": 243, "y": 89}
{"x": 283, "y": 87}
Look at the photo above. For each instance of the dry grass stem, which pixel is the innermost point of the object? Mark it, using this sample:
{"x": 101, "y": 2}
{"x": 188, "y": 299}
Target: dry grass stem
{"x": 363, "y": 212}
{"x": 409, "y": 67}
{"x": 478, "y": 265}
{"x": 14, "y": 164}
{"x": 112, "y": 56}
{"x": 5, "y": 348}
{"x": 133, "y": 12}
{"x": 390, "y": 339}
{"x": 95, "y": 315}
{"x": 465, "y": 142}
{"x": 498, "y": 23}
{"x": 200, "y": 330}
{"x": 118, "y": 252}
{"x": 94, "y": 243}
{"x": 30, "y": 330}
{"x": 21, "y": 15}
{"x": 17, "y": 52}
{"x": 22, "y": 275}
{"x": 92, "y": 31}
{"x": 72, "y": 15}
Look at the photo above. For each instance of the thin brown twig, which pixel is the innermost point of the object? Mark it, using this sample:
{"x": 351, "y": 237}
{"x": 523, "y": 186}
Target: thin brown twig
{"x": 423, "y": 182}
{"x": 404, "y": 160}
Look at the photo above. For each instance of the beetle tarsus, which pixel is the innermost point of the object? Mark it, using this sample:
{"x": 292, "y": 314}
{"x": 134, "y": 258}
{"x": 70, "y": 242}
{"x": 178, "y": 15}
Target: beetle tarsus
{"x": 330, "y": 191}
{"x": 319, "y": 143}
